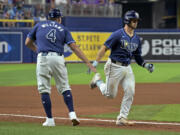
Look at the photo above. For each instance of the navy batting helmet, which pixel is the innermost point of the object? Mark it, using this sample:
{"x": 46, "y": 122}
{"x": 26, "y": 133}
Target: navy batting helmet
{"x": 130, "y": 15}
{"x": 55, "y": 13}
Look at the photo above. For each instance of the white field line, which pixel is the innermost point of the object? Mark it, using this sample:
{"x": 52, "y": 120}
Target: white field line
{"x": 87, "y": 119}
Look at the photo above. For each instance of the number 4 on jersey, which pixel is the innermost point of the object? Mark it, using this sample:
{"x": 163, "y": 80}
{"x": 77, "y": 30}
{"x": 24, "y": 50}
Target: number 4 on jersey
{"x": 51, "y": 35}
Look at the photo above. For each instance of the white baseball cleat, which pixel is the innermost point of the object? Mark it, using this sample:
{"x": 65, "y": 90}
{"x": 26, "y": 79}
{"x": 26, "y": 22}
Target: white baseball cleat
{"x": 125, "y": 122}
{"x": 74, "y": 119}
{"x": 96, "y": 77}
{"x": 49, "y": 122}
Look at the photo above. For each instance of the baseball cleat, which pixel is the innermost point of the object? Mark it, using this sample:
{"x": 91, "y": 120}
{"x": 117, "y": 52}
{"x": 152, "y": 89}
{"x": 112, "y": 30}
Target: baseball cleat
{"x": 125, "y": 122}
{"x": 75, "y": 122}
{"x": 49, "y": 122}
{"x": 96, "y": 77}
{"x": 74, "y": 119}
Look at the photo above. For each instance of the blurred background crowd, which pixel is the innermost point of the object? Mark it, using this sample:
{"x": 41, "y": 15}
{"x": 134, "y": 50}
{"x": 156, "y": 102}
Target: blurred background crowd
{"x": 157, "y": 13}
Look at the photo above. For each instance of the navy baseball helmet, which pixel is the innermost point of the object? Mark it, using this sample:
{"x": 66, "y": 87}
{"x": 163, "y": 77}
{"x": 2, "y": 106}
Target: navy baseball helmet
{"x": 55, "y": 13}
{"x": 129, "y": 15}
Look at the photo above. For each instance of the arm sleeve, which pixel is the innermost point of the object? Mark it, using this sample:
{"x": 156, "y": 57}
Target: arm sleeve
{"x": 111, "y": 40}
{"x": 139, "y": 60}
{"x": 137, "y": 55}
{"x": 68, "y": 37}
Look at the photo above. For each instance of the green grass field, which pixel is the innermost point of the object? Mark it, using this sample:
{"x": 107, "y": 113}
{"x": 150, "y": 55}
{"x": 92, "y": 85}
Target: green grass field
{"x": 165, "y": 112}
{"x": 7, "y": 128}
{"x": 24, "y": 75}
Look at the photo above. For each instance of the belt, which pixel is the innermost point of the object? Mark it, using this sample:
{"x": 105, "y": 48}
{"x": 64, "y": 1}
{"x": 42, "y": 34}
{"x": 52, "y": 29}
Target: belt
{"x": 50, "y": 53}
{"x": 119, "y": 63}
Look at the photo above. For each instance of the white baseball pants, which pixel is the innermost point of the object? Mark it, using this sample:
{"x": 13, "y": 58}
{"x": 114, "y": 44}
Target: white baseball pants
{"x": 115, "y": 75}
{"x": 48, "y": 66}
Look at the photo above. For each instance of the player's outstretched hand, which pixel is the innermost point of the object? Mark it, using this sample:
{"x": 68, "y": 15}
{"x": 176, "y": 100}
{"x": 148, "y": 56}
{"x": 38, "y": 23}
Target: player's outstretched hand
{"x": 149, "y": 67}
{"x": 94, "y": 64}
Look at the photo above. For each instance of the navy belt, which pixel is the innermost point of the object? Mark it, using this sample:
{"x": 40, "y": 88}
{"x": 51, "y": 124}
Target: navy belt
{"x": 46, "y": 53}
{"x": 119, "y": 63}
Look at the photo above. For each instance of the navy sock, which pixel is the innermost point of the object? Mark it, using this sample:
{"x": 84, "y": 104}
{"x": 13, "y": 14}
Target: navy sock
{"x": 46, "y": 101}
{"x": 68, "y": 99}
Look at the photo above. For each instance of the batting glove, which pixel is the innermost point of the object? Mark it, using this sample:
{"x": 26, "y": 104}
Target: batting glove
{"x": 149, "y": 67}
{"x": 94, "y": 64}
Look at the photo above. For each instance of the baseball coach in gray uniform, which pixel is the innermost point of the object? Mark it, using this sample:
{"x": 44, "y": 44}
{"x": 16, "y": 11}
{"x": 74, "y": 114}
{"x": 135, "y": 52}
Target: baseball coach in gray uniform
{"x": 48, "y": 38}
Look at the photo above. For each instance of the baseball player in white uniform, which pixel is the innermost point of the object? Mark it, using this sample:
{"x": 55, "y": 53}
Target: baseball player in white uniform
{"x": 124, "y": 45}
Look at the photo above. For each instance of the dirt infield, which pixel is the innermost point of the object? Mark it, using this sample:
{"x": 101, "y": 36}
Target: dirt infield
{"x": 26, "y": 101}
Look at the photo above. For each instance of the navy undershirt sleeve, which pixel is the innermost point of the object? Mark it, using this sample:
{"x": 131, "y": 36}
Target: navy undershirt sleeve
{"x": 137, "y": 55}
{"x": 139, "y": 60}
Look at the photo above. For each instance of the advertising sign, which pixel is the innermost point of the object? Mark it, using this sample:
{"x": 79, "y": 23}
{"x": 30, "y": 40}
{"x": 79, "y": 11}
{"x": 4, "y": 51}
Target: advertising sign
{"x": 160, "y": 46}
{"x": 11, "y": 47}
{"x": 89, "y": 43}
{"x": 156, "y": 46}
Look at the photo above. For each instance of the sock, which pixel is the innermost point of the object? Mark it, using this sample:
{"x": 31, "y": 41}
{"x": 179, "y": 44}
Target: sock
{"x": 68, "y": 99}
{"x": 46, "y": 101}
{"x": 102, "y": 87}
{"x": 99, "y": 82}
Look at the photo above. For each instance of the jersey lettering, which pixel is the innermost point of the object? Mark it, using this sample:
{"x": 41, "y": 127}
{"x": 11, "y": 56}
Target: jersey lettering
{"x": 51, "y": 35}
{"x": 128, "y": 46}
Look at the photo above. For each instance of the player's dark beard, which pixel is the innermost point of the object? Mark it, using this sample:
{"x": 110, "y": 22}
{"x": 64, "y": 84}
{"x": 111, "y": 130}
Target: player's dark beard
{"x": 131, "y": 26}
